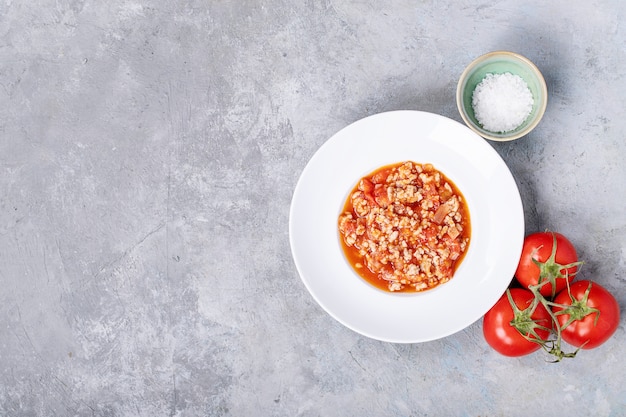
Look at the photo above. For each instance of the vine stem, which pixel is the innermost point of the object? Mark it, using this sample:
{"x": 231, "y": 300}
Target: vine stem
{"x": 551, "y": 346}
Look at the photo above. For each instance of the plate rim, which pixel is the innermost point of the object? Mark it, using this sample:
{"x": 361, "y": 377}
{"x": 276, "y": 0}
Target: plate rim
{"x": 410, "y": 114}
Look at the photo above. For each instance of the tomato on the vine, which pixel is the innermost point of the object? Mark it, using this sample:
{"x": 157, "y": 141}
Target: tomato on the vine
{"x": 550, "y": 256}
{"x": 501, "y": 324}
{"x": 592, "y": 316}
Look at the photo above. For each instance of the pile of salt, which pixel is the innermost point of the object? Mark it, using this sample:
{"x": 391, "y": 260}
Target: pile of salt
{"x": 502, "y": 102}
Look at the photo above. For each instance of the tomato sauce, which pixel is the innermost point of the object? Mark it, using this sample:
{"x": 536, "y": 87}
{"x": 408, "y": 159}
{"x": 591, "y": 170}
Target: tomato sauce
{"x": 405, "y": 227}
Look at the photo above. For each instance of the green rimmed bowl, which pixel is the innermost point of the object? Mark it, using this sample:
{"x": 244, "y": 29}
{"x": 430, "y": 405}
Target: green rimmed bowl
{"x": 500, "y": 62}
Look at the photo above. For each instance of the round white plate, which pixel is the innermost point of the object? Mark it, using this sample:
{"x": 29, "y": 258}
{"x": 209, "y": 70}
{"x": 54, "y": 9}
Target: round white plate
{"x": 496, "y": 216}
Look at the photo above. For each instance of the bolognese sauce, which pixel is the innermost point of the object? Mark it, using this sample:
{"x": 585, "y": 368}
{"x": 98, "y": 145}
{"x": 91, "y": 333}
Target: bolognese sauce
{"x": 405, "y": 227}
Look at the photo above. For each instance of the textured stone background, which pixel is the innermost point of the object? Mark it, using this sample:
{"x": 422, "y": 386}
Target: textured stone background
{"x": 148, "y": 154}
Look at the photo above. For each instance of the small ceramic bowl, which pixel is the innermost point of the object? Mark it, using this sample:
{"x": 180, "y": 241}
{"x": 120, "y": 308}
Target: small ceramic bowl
{"x": 501, "y": 62}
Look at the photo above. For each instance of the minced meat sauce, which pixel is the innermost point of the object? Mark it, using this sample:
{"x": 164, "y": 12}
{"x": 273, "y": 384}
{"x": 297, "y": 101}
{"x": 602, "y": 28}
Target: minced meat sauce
{"x": 405, "y": 227}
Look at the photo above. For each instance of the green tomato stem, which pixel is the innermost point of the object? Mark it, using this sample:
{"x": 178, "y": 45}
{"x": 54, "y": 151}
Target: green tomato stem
{"x": 550, "y": 270}
{"x": 578, "y": 309}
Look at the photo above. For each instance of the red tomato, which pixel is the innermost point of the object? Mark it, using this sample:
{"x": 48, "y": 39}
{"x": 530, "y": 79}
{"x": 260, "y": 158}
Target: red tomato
{"x": 381, "y": 176}
{"x": 595, "y": 314}
{"x": 502, "y": 336}
{"x": 540, "y": 258}
{"x": 366, "y": 186}
{"x": 380, "y": 195}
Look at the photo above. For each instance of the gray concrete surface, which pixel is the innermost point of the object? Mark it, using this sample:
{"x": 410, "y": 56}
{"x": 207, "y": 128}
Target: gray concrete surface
{"x": 148, "y": 154}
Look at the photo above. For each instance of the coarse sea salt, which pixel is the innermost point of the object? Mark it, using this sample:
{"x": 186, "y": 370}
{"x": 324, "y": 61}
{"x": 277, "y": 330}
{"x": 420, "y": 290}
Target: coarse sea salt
{"x": 502, "y": 102}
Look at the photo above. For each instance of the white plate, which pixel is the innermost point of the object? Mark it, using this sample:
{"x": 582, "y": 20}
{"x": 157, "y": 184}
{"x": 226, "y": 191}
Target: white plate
{"x": 496, "y": 216}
